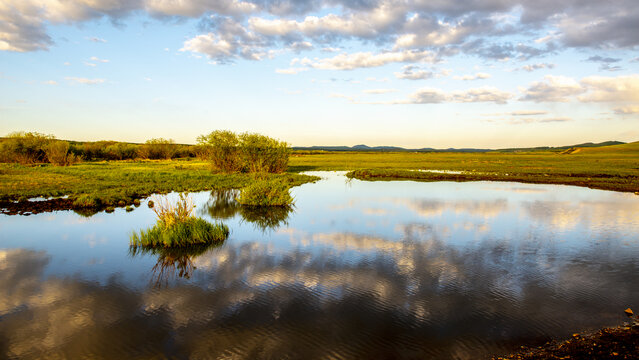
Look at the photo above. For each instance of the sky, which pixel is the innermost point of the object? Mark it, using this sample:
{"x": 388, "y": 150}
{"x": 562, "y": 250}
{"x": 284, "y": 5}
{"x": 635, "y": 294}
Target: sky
{"x": 423, "y": 73}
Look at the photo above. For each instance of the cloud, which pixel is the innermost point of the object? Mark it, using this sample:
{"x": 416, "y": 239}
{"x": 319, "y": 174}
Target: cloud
{"x": 552, "y": 89}
{"x": 606, "y": 63}
{"x": 473, "y": 77}
{"x": 291, "y": 71}
{"x": 412, "y": 72}
{"x": 96, "y": 39}
{"x": 85, "y": 81}
{"x": 50, "y": 82}
{"x": 542, "y": 120}
{"x": 528, "y": 113}
{"x": 379, "y": 91}
{"x": 533, "y": 67}
{"x": 611, "y": 89}
{"x": 437, "y": 96}
{"x": 627, "y": 110}
{"x": 95, "y": 58}
{"x": 368, "y": 59}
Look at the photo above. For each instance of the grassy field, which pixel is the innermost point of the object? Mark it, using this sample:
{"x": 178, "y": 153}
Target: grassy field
{"x": 610, "y": 167}
{"x": 116, "y": 183}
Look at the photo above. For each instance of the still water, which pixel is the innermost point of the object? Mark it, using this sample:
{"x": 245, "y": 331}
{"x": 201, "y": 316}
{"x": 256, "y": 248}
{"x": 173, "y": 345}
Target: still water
{"x": 402, "y": 269}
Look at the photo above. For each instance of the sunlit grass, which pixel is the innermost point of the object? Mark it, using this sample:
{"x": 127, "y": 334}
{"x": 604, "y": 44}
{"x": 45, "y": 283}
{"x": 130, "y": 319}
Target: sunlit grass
{"x": 176, "y": 226}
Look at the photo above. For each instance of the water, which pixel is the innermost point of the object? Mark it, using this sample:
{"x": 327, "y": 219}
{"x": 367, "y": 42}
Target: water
{"x": 437, "y": 270}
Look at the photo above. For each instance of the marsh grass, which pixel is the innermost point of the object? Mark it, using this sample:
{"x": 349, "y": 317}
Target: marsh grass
{"x": 178, "y": 227}
{"x": 118, "y": 183}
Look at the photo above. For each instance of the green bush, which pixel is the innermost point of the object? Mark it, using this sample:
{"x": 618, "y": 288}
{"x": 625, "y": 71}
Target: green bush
{"x": 246, "y": 152}
{"x": 266, "y": 193}
{"x": 158, "y": 148}
{"x": 25, "y": 147}
{"x": 221, "y": 147}
{"x": 120, "y": 151}
{"x": 58, "y": 153}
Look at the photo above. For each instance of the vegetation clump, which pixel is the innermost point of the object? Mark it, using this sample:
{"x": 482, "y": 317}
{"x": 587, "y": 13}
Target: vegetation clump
{"x": 178, "y": 227}
{"x": 266, "y": 193}
{"x": 246, "y": 152}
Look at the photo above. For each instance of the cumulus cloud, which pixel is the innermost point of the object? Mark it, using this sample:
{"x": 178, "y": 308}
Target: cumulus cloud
{"x": 257, "y": 29}
{"x": 552, "y": 89}
{"x": 611, "y": 89}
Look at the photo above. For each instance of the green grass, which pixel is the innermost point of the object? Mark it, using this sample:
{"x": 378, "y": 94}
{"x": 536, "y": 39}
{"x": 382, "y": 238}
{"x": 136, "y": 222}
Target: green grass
{"x": 119, "y": 183}
{"x": 177, "y": 226}
{"x": 192, "y": 231}
{"x": 611, "y": 167}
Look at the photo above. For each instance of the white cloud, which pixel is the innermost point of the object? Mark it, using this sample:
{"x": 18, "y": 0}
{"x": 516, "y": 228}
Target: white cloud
{"x": 528, "y": 113}
{"x": 85, "y": 81}
{"x": 411, "y": 72}
{"x": 627, "y": 110}
{"x": 429, "y": 95}
{"x": 611, "y": 89}
{"x": 365, "y": 24}
{"x": 533, "y": 67}
{"x": 552, "y": 89}
{"x": 95, "y": 58}
{"x": 291, "y": 71}
{"x": 50, "y": 82}
{"x": 473, "y": 77}
{"x": 368, "y": 59}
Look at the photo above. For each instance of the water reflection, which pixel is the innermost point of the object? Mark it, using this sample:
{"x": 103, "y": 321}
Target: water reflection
{"x": 363, "y": 270}
{"x": 222, "y": 205}
{"x": 172, "y": 263}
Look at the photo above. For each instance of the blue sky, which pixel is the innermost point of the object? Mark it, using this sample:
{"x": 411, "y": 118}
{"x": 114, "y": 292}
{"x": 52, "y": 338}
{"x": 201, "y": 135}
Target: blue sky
{"x": 471, "y": 73}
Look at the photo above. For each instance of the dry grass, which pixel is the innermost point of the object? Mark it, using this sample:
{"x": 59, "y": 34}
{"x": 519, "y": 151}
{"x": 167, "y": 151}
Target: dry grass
{"x": 170, "y": 213}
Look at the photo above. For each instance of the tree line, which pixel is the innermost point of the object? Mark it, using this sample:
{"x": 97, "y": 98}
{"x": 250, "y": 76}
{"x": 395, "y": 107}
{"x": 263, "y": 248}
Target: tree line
{"x": 226, "y": 150}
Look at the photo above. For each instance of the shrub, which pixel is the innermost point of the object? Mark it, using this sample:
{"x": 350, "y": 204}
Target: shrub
{"x": 221, "y": 147}
{"x": 158, "y": 148}
{"x": 58, "y": 154}
{"x": 263, "y": 154}
{"x": 24, "y": 147}
{"x": 121, "y": 151}
{"x": 266, "y": 193}
{"x": 245, "y": 152}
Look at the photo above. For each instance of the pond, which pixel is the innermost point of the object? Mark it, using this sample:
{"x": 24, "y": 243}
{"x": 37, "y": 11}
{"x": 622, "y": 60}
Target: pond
{"x": 401, "y": 269}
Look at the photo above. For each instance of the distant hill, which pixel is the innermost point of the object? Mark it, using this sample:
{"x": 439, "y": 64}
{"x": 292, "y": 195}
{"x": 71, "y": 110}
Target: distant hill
{"x": 363, "y": 147}
{"x": 632, "y": 147}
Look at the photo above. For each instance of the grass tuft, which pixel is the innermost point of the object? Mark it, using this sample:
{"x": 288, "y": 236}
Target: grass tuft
{"x": 178, "y": 227}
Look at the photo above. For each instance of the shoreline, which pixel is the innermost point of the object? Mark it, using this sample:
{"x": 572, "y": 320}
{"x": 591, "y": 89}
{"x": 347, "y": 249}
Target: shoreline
{"x": 628, "y": 184}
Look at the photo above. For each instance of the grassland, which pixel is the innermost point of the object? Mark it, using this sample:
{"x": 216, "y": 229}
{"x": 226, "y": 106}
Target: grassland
{"x": 97, "y": 185}
{"x": 610, "y": 168}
